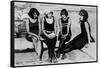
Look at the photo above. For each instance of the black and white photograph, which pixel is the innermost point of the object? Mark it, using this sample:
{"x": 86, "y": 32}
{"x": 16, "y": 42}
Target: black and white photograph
{"x": 51, "y": 33}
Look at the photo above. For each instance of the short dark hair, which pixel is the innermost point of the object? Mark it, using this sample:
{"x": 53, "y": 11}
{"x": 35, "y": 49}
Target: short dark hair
{"x": 83, "y": 13}
{"x": 64, "y": 12}
{"x": 51, "y": 12}
{"x": 32, "y": 11}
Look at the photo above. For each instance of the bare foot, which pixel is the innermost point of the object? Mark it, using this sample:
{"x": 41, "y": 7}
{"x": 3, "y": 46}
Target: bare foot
{"x": 49, "y": 60}
{"x": 57, "y": 54}
{"x": 54, "y": 60}
{"x": 63, "y": 56}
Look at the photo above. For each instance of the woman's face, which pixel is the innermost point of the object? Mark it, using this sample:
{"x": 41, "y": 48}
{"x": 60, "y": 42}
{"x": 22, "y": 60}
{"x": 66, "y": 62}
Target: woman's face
{"x": 80, "y": 18}
{"x": 49, "y": 15}
{"x": 35, "y": 15}
{"x": 63, "y": 16}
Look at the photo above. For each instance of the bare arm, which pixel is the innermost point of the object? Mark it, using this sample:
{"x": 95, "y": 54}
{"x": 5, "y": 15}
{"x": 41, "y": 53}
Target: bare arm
{"x": 27, "y": 25}
{"x": 60, "y": 26}
{"x": 39, "y": 27}
{"x": 56, "y": 28}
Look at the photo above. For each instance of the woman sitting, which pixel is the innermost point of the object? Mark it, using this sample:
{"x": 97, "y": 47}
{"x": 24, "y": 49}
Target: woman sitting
{"x": 65, "y": 30}
{"x": 83, "y": 38}
{"x": 49, "y": 30}
{"x": 33, "y": 29}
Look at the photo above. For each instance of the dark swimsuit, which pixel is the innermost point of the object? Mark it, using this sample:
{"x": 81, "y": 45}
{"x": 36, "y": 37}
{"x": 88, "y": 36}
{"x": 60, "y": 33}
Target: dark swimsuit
{"x": 34, "y": 28}
{"x": 64, "y": 30}
{"x": 64, "y": 25}
{"x": 78, "y": 42}
{"x": 49, "y": 28}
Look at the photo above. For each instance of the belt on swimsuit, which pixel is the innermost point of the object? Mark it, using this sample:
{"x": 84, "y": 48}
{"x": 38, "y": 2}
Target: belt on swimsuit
{"x": 49, "y": 31}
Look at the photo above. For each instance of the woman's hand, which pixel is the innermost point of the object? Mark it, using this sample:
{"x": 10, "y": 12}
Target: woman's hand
{"x": 52, "y": 35}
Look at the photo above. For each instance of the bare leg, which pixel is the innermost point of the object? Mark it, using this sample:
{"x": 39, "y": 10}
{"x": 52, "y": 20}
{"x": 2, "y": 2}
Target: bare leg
{"x": 35, "y": 44}
{"x": 61, "y": 44}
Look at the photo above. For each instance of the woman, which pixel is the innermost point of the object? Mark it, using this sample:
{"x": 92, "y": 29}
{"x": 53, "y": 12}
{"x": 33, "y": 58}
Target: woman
{"x": 49, "y": 29}
{"x": 83, "y": 38}
{"x": 65, "y": 30}
{"x": 33, "y": 28}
